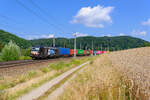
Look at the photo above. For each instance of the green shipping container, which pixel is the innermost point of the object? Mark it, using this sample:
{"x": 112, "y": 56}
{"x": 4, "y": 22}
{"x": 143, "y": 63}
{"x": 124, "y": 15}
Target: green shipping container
{"x": 80, "y": 52}
{"x": 87, "y": 52}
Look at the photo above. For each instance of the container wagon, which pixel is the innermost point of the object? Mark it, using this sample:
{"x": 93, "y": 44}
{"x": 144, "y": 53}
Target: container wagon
{"x": 64, "y": 51}
{"x": 104, "y": 51}
{"x": 72, "y": 52}
{"x": 80, "y": 52}
{"x": 98, "y": 52}
{"x": 50, "y": 52}
{"x": 90, "y": 52}
{"x": 85, "y": 52}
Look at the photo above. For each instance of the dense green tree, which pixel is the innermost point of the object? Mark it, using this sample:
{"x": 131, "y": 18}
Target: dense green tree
{"x": 147, "y": 44}
{"x": 25, "y": 52}
{"x": 113, "y": 43}
{"x": 1, "y": 46}
{"x": 10, "y": 52}
{"x": 5, "y": 37}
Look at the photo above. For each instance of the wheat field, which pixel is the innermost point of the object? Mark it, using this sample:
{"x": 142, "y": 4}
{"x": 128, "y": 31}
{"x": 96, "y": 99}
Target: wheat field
{"x": 134, "y": 64}
{"x": 121, "y": 75}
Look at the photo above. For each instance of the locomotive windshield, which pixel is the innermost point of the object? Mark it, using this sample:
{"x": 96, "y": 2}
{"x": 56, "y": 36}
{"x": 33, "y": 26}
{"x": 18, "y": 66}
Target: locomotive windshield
{"x": 35, "y": 49}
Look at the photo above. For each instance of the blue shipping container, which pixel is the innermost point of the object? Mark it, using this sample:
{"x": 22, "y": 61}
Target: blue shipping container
{"x": 64, "y": 51}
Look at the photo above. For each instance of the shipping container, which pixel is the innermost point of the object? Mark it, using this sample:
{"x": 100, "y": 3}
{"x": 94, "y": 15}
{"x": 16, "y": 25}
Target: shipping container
{"x": 98, "y": 52}
{"x": 80, "y": 52}
{"x": 64, "y": 51}
{"x": 85, "y": 52}
{"x": 90, "y": 52}
{"x": 104, "y": 51}
{"x": 72, "y": 51}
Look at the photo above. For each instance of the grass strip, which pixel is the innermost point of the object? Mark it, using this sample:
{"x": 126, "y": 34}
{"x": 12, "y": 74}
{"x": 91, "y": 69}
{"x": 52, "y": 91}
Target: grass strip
{"x": 21, "y": 92}
{"x": 58, "y": 85}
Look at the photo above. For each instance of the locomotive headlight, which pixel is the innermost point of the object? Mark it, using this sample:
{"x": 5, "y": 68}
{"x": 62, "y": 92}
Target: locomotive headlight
{"x": 34, "y": 53}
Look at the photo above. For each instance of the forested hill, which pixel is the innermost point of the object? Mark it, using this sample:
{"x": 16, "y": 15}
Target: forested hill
{"x": 114, "y": 43}
{"x": 5, "y": 37}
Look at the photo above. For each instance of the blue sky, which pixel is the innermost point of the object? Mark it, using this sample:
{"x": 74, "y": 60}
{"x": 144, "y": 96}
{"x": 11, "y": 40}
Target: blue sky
{"x": 87, "y": 17}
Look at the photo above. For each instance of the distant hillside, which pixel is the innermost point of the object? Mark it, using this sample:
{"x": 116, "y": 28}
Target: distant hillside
{"x": 114, "y": 43}
{"x": 5, "y": 37}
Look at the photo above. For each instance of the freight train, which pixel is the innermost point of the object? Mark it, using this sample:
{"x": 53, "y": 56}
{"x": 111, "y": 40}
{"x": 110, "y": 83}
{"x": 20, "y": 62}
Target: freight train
{"x": 55, "y": 52}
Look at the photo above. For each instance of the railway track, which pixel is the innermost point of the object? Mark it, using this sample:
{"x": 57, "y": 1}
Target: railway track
{"x": 15, "y": 68}
{"x": 24, "y": 62}
{"x": 20, "y": 63}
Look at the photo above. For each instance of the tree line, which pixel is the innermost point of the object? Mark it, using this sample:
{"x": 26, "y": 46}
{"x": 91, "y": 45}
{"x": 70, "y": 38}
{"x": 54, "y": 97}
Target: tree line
{"x": 98, "y": 43}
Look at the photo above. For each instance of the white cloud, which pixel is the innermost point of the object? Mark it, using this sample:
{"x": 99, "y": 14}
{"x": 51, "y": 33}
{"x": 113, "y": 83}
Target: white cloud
{"x": 146, "y": 23}
{"x": 51, "y": 36}
{"x": 31, "y": 37}
{"x": 93, "y": 17}
{"x": 81, "y": 34}
{"x": 121, "y": 34}
{"x": 137, "y": 32}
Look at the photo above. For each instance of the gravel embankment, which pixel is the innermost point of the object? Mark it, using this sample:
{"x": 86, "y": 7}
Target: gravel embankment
{"x": 135, "y": 65}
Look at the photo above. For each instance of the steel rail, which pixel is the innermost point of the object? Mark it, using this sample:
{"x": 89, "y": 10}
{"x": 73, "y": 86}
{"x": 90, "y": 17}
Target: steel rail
{"x": 20, "y": 63}
{"x": 27, "y": 62}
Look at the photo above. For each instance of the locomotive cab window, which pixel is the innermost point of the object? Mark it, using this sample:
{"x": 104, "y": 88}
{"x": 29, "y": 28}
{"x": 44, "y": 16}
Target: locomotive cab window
{"x": 35, "y": 49}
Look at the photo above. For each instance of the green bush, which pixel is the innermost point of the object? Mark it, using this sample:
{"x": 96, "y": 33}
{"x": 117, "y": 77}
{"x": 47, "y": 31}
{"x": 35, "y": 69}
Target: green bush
{"x": 10, "y": 52}
{"x": 68, "y": 64}
{"x": 28, "y": 76}
{"x": 23, "y": 78}
{"x": 52, "y": 66}
{"x": 58, "y": 66}
{"x": 3, "y": 86}
{"x": 25, "y": 58}
{"x": 25, "y": 52}
{"x": 32, "y": 74}
{"x": 1, "y": 46}
{"x": 75, "y": 61}
{"x": 21, "y": 58}
{"x": 1, "y": 59}
{"x": 44, "y": 69}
